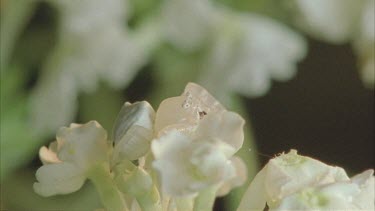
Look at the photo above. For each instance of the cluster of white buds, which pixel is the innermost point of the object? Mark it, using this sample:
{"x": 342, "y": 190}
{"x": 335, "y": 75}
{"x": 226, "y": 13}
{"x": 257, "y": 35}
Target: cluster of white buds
{"x": 178, "y": 158}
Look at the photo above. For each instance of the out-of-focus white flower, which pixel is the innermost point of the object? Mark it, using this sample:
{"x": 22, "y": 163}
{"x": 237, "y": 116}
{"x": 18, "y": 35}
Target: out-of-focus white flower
{"x": 340, "y": 21}
{"x": 246, "y": 51}
{"x": 291, "y": 181}
{"x": 364, "y": 43}
{"x": 68, "y": 159}
{"x": 263, "y": 50}
{"x": 133, "y": 131}
{"x": 196, "y": 139}
{"x": 188, "y": 24}
{"x": 330, "y": 20}
{"x": 93, "y": 44}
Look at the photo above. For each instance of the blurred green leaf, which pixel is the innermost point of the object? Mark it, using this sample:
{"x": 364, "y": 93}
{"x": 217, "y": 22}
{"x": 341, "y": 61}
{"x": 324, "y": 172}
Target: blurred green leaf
{"x": 14, "y": 16}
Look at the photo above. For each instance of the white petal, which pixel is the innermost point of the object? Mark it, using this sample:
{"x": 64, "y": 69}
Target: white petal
{"x": 366, "y": 198}
{"x": 61, "y": 178}
{"x": 187, "y": 109}
{"x": 332, "y": 20}
{"x": 336, "y": 196}
{"x": 268, "y": 50}
{"x": 226, "y": 126}
{"x": 171, "y": 155}
{"x": 238, "y": 180}
{"x": 188, "y": 23}
{"x": 290, "y": 172}
{"x": 83, "y": 145}
{"x": 171, "y": 112}
{"x": 140, "y": 113}
{"x": 187, "y": 166}
{"x": 135, "y": 144}
{"x": 48, "y": 156}
{"x": 255, "y": 196}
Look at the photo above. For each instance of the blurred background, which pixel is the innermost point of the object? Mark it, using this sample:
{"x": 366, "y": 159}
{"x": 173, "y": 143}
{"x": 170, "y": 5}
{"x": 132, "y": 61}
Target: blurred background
{"x": 301, "y": 72}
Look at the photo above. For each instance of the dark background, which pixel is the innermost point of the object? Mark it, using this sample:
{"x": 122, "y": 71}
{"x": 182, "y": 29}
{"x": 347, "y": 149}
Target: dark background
{"x": 323, "y": 112}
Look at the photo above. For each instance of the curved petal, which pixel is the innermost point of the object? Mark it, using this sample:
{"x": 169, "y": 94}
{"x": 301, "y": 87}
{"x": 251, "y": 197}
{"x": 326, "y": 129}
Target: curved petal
{"x": 366, "y": 182}
{"x": 83, "y": 144}
{"x": 134, "y": 144}
{"x": 48, "y": 156}
{"x": 138, "y": 113}
{"x": 289, "y": 173}
{"x": 238, "y": 180}
{"x": 187, "y": 165}
{"x": 226, "y": 126}
{"x": 187, "y": 109}
{"x": 255, "y": 196}
{"x": 61, "y": 178}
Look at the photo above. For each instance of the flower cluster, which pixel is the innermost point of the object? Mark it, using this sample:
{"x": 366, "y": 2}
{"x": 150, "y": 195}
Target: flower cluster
{"x": 190, "y": 142}
{"x": 182, "y": 156}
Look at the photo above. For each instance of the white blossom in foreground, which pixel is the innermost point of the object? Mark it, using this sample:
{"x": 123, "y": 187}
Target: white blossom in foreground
{"x": 196, "y": 139}
{"x": 356, "y": 194}
{"x": 291, "y": 181}
{"x": 67, "y": 160}
{"x": 245, "y": 51}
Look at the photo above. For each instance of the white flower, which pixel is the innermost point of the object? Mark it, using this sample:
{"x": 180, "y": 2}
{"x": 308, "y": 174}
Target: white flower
{"x": 93, "y": 45}
{"x": 286, "y": 175}
{"x": 245, "y": 51}
{"x": 364, "y": 43}
{"x": 330, "y": 20}
{"x": 356, "y": 194}
{"x": 133, "y": 131}
{"x": 266, "y": 50}
{"x": 197, "y": 138}
{"x": 340, "y": 21}
{"x": 188, "y": 23}
{"x": 68, "y": 159}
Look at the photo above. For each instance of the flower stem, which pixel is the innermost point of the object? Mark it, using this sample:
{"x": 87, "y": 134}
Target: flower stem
{"x": 108, "y": 192}
{"x": 150, "y": 201}
{"x": 205, "y": 200}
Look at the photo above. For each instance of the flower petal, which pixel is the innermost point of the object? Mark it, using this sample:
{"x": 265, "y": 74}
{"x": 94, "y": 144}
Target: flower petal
{"x": 366, "y": 198}
{"x": 134, "y": 144}
{"x": 83, "y": 144}
{"x": 238, "y": 180}
{"x": 61, "y": 178}
{"x": 138, "y": 113}
{"x": 291, "y": 172}
{"x": 187, "y": 109}
{"x": 187, "y": 166}
{"x": 226, "y": 126}
{"x": 48, "y": 156}
{"x": 255, "y": 196}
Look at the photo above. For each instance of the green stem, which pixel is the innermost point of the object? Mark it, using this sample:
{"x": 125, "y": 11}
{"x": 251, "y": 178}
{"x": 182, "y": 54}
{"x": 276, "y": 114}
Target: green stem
{"x": 108, "y": 192}
{"x": 150, "y": 201}
{"x": 14, "y": 17}
{"x": 246, "y": 153}
{"x": 137, "y": 183}
{"x": 184, "y": 204}
{"x": 205, "y": 199}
